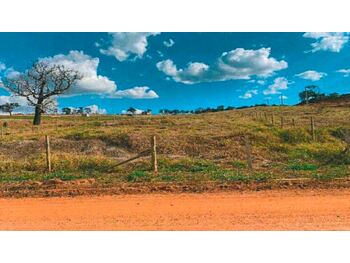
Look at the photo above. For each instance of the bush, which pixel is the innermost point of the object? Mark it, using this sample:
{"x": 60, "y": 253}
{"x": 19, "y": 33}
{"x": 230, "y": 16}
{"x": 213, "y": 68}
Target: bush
{"x": 139, "y": 176}
{"x": 302, "y": 167}
{"x": 295, "y": 136}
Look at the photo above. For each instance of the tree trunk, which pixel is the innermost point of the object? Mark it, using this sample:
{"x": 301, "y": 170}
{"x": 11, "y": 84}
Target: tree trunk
{"x": 37, "y": 116}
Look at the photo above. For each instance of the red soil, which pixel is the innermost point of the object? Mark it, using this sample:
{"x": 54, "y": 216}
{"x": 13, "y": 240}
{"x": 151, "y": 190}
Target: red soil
{"x": 265, "y": 210}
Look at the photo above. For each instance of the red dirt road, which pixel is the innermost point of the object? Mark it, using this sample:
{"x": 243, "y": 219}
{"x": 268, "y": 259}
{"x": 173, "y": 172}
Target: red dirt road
{"x": 265, "y": 210}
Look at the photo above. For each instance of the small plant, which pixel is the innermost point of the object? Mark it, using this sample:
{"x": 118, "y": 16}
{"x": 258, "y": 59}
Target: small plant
{"x": 139, "y": 176}
{"x": 239, "y": 164}
{"x": 302, "y": 167}
{"x": 294, "y": 136}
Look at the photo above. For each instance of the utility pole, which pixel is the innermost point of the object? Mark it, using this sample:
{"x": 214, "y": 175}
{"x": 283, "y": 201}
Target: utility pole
{"x": 282, "y": 102}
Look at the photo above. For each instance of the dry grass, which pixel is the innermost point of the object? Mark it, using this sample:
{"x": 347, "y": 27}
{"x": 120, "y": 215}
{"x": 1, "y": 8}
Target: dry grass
{"x": 191, "y": 147}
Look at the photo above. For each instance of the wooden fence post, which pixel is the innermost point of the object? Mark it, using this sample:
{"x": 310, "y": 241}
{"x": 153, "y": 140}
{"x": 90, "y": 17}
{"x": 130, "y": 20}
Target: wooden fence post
{"x": 248, "y": 151}
{"x": 312, "y": 124}
{"x": 154, "y": 155}
{"x": 48, "y": 153}
{"x": 273, "y": 119}
{"x": 265, "y": 114}
{"x": 282, "y": 122}
{"x": 293, "y": 121}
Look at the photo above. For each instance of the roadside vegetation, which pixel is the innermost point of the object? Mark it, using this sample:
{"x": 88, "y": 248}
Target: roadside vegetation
{"x": 191, "y": 148}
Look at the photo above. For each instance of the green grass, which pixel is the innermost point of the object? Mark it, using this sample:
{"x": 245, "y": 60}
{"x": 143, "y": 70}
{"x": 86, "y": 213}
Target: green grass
{"x": 302, "y": 167}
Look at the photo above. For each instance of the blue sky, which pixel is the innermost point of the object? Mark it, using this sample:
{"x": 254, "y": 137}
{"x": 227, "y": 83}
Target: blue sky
{"x": 184, "y": 70}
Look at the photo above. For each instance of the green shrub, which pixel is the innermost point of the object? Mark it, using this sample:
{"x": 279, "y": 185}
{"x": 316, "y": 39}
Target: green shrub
{"x": 294, "y": 136}
{"x": 302, "y": 167}
{"x": 139, "y": 176}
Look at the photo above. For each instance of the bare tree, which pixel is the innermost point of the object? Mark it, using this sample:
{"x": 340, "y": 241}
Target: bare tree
{"x": 40, "y": 84}
{"x": 9, "y": 107}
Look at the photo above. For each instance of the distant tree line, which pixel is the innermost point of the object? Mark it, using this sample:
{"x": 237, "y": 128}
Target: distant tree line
{"x": 80, "y": 110}
{"x": 205, "y": 110}
{"x": 312, "y": 94}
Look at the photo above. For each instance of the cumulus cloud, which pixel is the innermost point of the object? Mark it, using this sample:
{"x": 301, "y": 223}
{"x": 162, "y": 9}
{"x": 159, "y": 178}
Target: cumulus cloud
{"x": 136, "y": 93}
{"x": 92, "y": 82}
{"x": 123, "y": 45}
{"x": 24, "y": 107}
{"x": 2, "y": 66}
{"x": 22, "y": 101}
{"x": 345, "y": 72}
{"x": 278, "y": 84}
{"x": 260, "y": 81}
{"x": 249, "y": 94}
{"x": 94, "y": 109}
{"x": 311, "y": 75}
{"x": 235, "y": 64}
{"x": 169, "y": 43}
{"x": 87, "y": 66}
{"x": 333, "y": 42}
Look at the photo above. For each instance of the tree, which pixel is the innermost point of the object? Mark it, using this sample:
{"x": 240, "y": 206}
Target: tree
{"x": 40, "y": 84}
{"x": 132, "y": 110}
{"x": 80, "y": 110}
{"x": 9, "y": 107}
{"x": 88, "y": 110}
{"x": 310, "y": 92}
{"x": 67, "y": 111}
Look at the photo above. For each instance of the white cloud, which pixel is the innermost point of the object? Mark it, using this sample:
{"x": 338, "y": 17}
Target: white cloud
{"x": 169, "y": 43}
{"x": 160, "y": 53}
{"x": 2, "y": 66}
{"x": 260, "y": 82}
{"x": 235, "y": 64}
{"x": 22, "y": 102}
{"x": 345, "y": 72}
{"x": 249, "y": 94}
{"x": 136, "y": 93}
{"x": 333, "y": 42}
{"x": 92, "y": 83}
{"x": 96, "y": 110}
{"x": 311, "y": 75}
{"x": 87, "y": 67}
{"x": 123, "y": 45}
{"x": 278, "y": 84}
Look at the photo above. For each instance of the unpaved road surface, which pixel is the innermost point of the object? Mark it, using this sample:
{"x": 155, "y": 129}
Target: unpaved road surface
{"x": 265, "y": 210}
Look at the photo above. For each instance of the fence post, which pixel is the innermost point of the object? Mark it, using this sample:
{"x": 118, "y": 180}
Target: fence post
{"x": 265, "y": 114}
{"x": 154, "y": 155}
{"x": 293, "y": 121}
{"x": 248, "y": 151}
{"x": 273, "y": 119}
{"x": 312, "y": 124}
{"x": 48, "y": 153}
{"x": 282, "y": 122}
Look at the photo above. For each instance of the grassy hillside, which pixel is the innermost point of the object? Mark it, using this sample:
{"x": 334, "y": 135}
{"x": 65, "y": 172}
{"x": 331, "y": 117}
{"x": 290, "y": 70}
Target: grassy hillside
{"x": 203, "y": 147}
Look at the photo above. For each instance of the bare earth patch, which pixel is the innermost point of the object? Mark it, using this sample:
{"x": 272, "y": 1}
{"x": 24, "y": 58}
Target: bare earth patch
{"x": 247, "y": 210}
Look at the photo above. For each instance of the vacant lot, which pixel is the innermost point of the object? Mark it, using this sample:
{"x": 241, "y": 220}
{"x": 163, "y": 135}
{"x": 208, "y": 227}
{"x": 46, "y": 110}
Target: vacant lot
{"x": 192, "y": 150}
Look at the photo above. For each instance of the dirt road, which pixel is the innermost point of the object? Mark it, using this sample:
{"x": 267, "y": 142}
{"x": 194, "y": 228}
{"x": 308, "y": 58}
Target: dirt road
{"x": 265, "y": 210}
